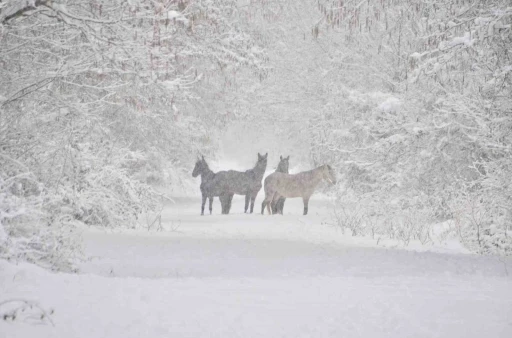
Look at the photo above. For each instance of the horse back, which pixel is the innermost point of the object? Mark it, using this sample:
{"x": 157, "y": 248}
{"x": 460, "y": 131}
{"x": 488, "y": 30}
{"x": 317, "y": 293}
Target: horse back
{"x": 236, "y": 182}
{"x": 287, "y": 185}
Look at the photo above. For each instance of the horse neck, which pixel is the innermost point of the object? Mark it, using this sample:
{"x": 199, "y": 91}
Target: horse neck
{"x": 281, "y": 170}
{"x": 206, "y": 174}
{"x": 315, "y": 175}
{"x": 259, "y": 171}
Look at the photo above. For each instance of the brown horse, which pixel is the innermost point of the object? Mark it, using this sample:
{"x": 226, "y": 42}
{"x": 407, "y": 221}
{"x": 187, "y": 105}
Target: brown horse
{"x": 298, "y": 185}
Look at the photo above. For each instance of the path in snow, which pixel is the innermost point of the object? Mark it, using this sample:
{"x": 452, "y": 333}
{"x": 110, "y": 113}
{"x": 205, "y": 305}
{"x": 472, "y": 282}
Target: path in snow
{"x": 263, "y": 276}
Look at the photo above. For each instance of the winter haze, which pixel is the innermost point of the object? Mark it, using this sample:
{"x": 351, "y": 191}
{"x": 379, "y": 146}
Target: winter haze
{"x": 141, "y": 141}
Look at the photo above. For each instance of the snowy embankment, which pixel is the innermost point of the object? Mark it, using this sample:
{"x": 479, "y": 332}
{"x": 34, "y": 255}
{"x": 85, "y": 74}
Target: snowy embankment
{"x": 260, "y": 276}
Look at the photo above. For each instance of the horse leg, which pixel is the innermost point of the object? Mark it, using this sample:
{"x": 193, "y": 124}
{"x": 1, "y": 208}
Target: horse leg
{"x": 275, "y": 203}
{"x": 280, "y": 205}
{"x": 247, "y": 199}
{"x": 223, "y": 203}
{"x": 203, "y": 202}
{"x": 253, "y": 199}
{"x": 306, "y": 203}
{"x": 274, "y": 207}
{"x": 270, "y": 203}
{"x": 263, "y": 207}
{"x": 211, "y": 203}
{"x": 266, "y": 202}
{"x": 228, "y": 204}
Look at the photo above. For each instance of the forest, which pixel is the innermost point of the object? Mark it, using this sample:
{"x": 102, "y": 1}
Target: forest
{"x": 103, "y": 101}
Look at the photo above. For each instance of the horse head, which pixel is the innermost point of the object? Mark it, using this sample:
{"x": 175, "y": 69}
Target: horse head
{"x": 284, "y": 164}
{"x": 262, "y": 161}
{"x": 329, "y": 175}
{"x": 199, "y": 167}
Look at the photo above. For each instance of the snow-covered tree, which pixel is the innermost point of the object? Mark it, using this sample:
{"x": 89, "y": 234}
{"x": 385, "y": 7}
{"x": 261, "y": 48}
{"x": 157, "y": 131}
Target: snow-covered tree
{"x": 425, "y": 126}
{"x": 99, "y": 99}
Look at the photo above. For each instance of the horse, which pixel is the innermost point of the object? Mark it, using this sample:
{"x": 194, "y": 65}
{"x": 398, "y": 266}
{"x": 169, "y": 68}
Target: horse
{"x": 201, "y": 168}
{"x": 282, "y": 167}
{"x": 248, "y": 183}
{"x": 298, "y": 185}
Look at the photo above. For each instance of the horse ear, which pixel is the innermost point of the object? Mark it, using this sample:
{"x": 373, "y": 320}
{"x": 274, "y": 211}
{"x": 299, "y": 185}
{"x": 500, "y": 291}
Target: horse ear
{"x": 280, "y": 157}
{"x": 259, "y": 156}
{"x": 288, "y": 158}
{"x": 202, "y": 157}
{"x": 266, "y": 155}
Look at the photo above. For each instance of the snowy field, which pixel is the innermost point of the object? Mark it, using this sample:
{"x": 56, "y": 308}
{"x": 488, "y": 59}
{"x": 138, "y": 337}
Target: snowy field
{"x": 261, "y": 276}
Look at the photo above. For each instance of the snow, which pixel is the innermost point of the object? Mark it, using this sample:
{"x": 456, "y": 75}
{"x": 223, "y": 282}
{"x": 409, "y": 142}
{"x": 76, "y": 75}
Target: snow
{"x": 8, "y": 8}
{"x": 415, "y": 55}
{"x": 242, "y": 275}
{"x": 397, "y": 138}
{"x": 3, "y": 234}
{"x": 178, "y": 16}
{"x": 460, "y": 40}
{"x": 391, "y": 104}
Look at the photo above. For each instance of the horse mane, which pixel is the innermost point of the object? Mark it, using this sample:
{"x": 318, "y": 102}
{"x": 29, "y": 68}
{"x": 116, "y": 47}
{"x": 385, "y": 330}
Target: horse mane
{"x": 206, "y": 164}
{"x": 207, "y": 174}
{"x": 253, "y": 168}
{"x": 256, "y": 165}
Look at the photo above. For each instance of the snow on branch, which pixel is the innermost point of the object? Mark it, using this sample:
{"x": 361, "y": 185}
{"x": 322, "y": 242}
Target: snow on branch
{"x": 11, "y": 9}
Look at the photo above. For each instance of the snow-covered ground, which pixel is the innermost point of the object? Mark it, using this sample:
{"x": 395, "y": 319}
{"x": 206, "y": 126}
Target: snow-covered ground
{"x": 244, "y": 275}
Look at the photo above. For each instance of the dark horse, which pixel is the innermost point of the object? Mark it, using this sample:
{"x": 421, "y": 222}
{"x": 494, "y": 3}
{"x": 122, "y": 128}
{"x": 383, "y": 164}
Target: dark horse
{"x": 282, "y": 167}
{"x": 201, "y": 168}
{"x": 227, "y": 183}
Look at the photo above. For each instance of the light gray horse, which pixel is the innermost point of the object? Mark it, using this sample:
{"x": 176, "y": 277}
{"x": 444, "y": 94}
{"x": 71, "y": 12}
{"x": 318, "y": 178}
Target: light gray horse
{"x": 248, "y": 183}
{"x": 298, "y": 185}
{"x": 282, "y": 167}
